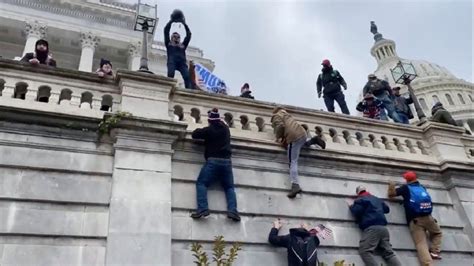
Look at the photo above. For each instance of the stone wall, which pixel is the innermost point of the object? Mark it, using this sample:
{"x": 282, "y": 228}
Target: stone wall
{"x": 67, "y": 198}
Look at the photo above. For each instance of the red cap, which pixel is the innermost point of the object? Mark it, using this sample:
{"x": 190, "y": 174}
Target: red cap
{"x": 326, "y": 62}
{"x": 409, "y": 176}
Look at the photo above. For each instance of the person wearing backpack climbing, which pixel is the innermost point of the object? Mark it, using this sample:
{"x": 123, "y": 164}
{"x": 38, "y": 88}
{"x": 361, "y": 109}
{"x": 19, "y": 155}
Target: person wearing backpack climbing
{"x": 369, "y": 212}
{"x": 418, "y": 209}
{"x": 288, "y": 130}
{"x": 331, "y": 80}
{"x": 301, "y": 244}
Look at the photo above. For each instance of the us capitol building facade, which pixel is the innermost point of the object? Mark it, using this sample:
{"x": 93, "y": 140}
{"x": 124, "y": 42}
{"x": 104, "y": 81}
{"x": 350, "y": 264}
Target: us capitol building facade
{"x": 81, "y": 183}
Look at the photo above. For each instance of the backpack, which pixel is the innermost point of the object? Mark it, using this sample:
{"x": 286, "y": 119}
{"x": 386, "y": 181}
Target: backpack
{"x": 299, "y": 248}
{"x": 420, "y": 200}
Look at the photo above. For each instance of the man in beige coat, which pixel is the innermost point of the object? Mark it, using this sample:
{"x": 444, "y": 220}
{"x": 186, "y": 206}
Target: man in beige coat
{"x": 288, "y": 130}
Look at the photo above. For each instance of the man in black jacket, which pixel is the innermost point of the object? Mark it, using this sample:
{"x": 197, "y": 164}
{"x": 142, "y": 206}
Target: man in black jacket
{"x": 331, "y": 80}
{"x": 402, "y": 106}
{"x": 218, "y": 166}
{"x": 300, "y": 244}
{"x": 40, "y": 56}
{"x": 382, "y": 91}
{"x": 176, "y": 52}
{"x": 369, "y": 212}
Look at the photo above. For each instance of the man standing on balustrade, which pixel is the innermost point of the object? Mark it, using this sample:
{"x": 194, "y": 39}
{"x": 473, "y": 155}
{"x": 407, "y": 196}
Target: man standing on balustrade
{"x": 176, "y": 50}
{"x": 218, "y": 166}
{"x": 288, "y": 130}
{"x": 331, "y": 80}
{"x": 402, "y": 106}
{"x": 40, "y": 56}
{"x": 382, "y": 91}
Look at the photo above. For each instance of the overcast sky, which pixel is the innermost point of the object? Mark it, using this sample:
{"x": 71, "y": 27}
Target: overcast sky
{"x": 277, "y": 46}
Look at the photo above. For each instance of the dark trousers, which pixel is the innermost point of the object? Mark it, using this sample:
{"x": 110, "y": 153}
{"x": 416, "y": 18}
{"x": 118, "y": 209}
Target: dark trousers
{"x": 373, "y": 237}
{"x": 403, "y": 118}
{"x": 180, "y": 66}
{"x": 339, "y": 98}
{"x": 216, "y": 169}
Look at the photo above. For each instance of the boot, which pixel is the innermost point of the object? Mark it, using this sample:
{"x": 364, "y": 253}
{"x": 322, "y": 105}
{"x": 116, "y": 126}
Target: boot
{"x": 295, "y": 189}
{"x": 199, "y": 214}
{"x": 318, "y": 141}
{"x": 234, "y": 216}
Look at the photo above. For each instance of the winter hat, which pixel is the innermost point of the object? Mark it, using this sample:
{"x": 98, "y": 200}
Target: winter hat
{"x": 326, "y": 62}
{"x": 437, "y": 104}
{"x": 213, "y": 115}
{"x": 43, "y": 42}
{"x": 360, "y": 189}
{"x": 370, "y": 76}
{"x": 409, "y": 176}
{"x": 368, "y": 96}
{"x": 104, "y": 62}
{"x": 396, "y": 88}
{"x": 276, "y": 109}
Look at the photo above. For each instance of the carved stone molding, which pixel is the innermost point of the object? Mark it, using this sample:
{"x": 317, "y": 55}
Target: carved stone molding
{"x": 88, "y": 39}
{"x": 135, "y": 49}
{"x": 36, "y": 29}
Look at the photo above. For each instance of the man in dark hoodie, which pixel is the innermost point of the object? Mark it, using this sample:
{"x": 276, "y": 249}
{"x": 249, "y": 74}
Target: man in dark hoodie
{"x": 176, "y": 51}
{"x": 105, "y": 69}
{"x": 418, "y": 209}
{"x": 218, "y": 166}
{"x": 331, "y": 80}
{"x": 40, "y": 56}
{"x": 369, "y": 212}
{"x": 301, "y": 244}
{"x": 402, "y": 106}
{"x": 441, "y": 115}
{"x": 245, "y": 92}
{"x": 382, "y": 91}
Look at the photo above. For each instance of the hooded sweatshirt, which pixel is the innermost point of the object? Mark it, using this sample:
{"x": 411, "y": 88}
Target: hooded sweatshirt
{"x": 441, "y": 115}
{"x": 295, "y": 243}
{"x": 331, "y": 80}
{"x": 43, "y": 56}
{"x": 286, "y": 127}
{"x": 216, "y": 140}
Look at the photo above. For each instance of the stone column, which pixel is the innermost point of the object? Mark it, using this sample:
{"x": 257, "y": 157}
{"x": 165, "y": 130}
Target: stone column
{"x": 140, "y": 219}
{"x": 34, "y": 31}
{"x": 89, "y": 42}
{"x": 134, "y": 52}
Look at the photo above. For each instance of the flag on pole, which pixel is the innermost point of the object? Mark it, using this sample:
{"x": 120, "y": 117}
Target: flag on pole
{"x": 208, "y": 81}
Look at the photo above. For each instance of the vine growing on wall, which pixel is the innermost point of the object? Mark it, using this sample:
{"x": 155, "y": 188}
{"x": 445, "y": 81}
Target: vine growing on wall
{"x": 110, "y": 122}
{"x": 219, "y": 255}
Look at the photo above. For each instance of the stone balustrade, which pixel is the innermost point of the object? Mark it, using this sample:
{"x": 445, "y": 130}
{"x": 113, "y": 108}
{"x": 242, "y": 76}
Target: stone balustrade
{"x": 56, "y": 90}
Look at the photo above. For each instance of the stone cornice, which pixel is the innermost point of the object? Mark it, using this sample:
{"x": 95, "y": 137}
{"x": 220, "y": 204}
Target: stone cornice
{"x": 144, "y": 77}
{"x": 86, "y": 11}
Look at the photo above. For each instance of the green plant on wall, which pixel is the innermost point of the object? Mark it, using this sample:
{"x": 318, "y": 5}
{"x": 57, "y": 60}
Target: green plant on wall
{"x": 110, "y": 122}
{"x": 219, "y": 255}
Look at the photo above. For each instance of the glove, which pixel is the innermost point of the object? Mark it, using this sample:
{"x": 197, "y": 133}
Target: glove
{"x": 319, "y": 94}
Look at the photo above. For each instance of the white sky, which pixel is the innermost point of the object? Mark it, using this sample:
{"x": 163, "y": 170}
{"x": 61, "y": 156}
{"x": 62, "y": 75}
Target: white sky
{"x": 277, "y": 46}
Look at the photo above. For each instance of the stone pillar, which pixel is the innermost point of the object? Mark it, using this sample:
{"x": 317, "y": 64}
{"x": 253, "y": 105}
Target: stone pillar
{"x": 34, "y": 31}
{"x": 134, "y": 56}
{"x": 89, "y": 42}
{"x": 140, "y": 218}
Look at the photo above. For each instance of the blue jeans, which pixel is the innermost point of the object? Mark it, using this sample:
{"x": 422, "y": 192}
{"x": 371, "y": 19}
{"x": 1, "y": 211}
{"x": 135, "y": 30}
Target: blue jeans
{"x": 389, "y": 106}
{"x": 216, "y": 169}
{"x": 339, "y": 98}
{"x": 403, "y": 118}
{"x": 293, "y": 152}
{"x": 182, "y": 68}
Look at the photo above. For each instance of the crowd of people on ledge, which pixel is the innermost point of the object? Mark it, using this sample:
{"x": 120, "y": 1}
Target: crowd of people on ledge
{"x": 380, "y": 101}
{"x": 302, "y": 242}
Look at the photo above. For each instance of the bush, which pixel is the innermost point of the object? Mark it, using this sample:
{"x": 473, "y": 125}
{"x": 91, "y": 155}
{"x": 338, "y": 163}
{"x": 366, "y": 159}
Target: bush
{"x": 219, "y": 255}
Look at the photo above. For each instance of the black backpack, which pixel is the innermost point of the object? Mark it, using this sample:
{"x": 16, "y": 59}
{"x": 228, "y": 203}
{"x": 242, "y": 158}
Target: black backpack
{"x": 304, "y": 249}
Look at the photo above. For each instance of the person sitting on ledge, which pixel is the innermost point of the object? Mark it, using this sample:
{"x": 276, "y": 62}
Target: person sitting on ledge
{"x": 218, "y": 166}
{"x": 245, "y": 92}
{"x": 105, "y": 69}
{"x": 40, "y": 56}
{"x": 372, "y": 107}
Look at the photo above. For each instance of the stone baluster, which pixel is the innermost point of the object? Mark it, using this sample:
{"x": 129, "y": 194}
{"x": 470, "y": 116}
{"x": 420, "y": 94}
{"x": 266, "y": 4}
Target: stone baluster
{"x": 89, "y": 42}
{"x": 96, "y": 103}
{"x": 54, "y": 98}
{"x": 8, "y": 91}
{"x": 34, "y": 31}
{"x": 134, "y": 56}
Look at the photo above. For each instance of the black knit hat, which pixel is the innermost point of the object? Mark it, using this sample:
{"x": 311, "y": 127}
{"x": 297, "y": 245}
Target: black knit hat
{"x": 104, "y": 62}
{"x": 213, "y": 115}
{"x": 42, "y": 41}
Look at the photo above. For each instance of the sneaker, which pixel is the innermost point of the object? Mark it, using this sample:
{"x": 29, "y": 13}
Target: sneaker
{"x": 199, "y": 214}
{"x": 435, "y": 256}
{"x": 317, "y": 140}
{"x": 234, "y": 216}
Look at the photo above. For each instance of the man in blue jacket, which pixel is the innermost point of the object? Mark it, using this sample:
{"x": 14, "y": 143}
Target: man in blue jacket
{"x": 369, "y": 212}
